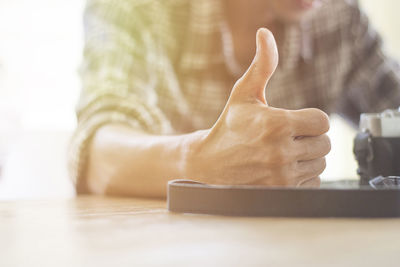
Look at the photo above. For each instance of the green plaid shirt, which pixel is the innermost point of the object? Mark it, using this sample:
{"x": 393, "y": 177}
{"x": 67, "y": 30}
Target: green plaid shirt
{"x": 163, "y": 67}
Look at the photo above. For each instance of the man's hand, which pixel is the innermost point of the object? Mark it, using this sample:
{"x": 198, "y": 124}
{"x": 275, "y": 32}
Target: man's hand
{"x": 252, "y": 143}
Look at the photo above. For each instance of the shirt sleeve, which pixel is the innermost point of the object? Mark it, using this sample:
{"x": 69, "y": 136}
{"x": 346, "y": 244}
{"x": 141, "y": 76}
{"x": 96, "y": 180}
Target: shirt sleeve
{"x": 118, "y": 77}
{"x": 373, "y": 83}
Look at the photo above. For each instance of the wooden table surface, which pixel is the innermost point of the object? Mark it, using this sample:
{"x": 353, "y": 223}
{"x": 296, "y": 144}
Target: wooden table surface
{"x": 99, "y": 231}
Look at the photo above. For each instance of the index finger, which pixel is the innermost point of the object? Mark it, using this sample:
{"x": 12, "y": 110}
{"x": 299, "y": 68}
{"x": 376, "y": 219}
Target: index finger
{"x": 309, "y": 122}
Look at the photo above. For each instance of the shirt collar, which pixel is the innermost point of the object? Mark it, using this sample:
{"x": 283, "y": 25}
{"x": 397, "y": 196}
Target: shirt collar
{"x": 297, "y": 45}
{"x": 205, "y": 17}
{"x": 205, "y": 26}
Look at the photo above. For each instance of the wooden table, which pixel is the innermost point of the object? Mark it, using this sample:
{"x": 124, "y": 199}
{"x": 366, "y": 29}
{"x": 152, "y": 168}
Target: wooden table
{"x": 96, "y": 231}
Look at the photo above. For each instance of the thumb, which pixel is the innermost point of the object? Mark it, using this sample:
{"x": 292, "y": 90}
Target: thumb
{"x": 251, "y": 86}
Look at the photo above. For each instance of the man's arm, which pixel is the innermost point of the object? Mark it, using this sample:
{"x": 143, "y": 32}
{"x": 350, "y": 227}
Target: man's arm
{"x": 117, "y": 80}
{"x": 251, "y": 143}
{"x": 373, "y": 83}
{"x": 123, "y": 161}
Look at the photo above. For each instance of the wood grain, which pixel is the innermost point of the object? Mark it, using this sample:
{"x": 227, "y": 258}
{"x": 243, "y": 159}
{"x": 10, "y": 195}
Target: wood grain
{"x": 97, "y": 231}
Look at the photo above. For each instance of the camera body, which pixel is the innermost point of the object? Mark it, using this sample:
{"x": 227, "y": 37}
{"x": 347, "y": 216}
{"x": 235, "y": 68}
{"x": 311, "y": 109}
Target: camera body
{"x": 377, "y": 145}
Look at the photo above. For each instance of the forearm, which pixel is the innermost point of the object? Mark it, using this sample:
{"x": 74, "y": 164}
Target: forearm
{"x": 123, "y": 161}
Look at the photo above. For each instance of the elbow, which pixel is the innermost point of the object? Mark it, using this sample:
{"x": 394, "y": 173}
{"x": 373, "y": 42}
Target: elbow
{"x": 99, "y": 174}
{"x": 96, "y": 181}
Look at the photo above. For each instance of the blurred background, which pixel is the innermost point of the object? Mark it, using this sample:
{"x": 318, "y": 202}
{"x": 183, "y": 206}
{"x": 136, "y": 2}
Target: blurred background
{"x": 40, "y": 51}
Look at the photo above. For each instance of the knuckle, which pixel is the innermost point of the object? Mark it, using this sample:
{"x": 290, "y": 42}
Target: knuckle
{"x": 324, "y": 162}
{"x": 321, "y": 165}
{"x": 322, "y": 120}
{"x": 326, "y": 144}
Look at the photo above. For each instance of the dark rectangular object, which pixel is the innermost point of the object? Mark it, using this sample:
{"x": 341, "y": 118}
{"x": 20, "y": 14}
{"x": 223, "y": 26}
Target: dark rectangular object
{"x": 192, "y": 197}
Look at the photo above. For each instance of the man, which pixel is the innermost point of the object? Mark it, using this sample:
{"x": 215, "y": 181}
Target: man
{"x": 164, "y": 94}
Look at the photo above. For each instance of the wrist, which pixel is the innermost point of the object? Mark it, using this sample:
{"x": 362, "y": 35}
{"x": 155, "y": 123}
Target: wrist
{"x": 192, "y": 158}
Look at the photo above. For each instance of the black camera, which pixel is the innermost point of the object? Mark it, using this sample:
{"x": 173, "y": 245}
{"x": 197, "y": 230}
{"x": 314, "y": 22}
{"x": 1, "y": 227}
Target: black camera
{"x": 377, "y": 145}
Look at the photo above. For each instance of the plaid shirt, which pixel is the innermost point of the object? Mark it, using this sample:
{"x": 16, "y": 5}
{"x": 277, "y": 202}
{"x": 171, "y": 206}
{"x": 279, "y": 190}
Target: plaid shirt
{"x": 163, "y": 67}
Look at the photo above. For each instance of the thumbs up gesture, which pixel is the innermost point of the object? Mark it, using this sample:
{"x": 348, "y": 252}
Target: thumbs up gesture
{"x": 253, "y": 143}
